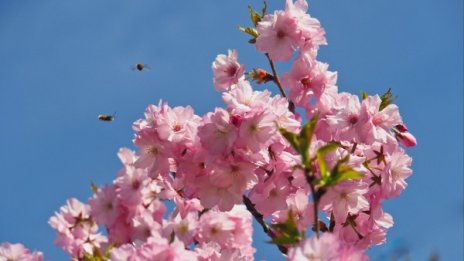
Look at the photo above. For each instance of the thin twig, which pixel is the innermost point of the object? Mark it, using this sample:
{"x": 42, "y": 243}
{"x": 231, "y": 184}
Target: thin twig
{"x": 260, "y": 219}
{"x": 291, "y": 105}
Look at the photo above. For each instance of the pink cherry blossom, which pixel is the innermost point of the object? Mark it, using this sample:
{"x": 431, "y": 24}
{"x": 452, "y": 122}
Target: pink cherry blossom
{"x": 18, "y": 252}
{"x": 227, "y": 71}
{"x": 217, "y": 134}
{"x": 279, "y": 36}
{"x": 308, "y": 79}
{"x": 326, "y": 248}
{"x": 345, "y": 198}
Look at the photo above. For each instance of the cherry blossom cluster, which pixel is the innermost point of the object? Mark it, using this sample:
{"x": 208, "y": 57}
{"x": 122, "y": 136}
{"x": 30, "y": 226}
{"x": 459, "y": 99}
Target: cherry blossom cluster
{"x": 253, "y": 158}
{"x": 18, "y": 252}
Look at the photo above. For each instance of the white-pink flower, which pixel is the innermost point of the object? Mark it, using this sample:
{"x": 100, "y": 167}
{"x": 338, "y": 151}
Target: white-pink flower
{"x": 227, "y": 71}
{"x": 279, "y": 36}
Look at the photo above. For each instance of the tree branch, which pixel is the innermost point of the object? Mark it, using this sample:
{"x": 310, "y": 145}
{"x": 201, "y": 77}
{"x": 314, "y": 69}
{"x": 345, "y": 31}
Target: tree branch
{"x": 260, "y": 219}
{"x": 291, "y": 105}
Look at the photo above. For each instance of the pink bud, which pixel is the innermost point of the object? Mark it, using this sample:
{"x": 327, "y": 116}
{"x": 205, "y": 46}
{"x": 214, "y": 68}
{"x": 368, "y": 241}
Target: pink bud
{"x": 401, "y": 128}
{"x": 407, "y": 139}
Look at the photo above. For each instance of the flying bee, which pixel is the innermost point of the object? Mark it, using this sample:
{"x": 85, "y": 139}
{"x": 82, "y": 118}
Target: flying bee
{"x": 106, "y": 117}
{"x": 141, "y": 67}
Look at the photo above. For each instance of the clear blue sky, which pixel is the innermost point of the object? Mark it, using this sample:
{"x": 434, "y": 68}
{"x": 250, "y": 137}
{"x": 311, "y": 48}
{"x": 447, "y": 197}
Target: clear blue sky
{"x": 63, "y": 62}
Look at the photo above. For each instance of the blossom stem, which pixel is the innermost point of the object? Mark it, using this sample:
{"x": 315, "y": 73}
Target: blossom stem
{"x": 315, "y": 210}
{"x": 291, "y": 105}
{"x": 316, "y": 194}
{"x": 260, "y": 219}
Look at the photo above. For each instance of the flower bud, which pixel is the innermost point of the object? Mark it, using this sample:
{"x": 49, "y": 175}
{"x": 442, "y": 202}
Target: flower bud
{"x": 260, "y": 76}
{"x": 407, "y": 139}
{"x": 401, "y": 128}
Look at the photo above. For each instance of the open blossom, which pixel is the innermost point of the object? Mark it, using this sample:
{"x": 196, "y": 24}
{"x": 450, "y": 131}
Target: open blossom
{"x": 217, "y": 134}
{"x": 279, "y": 36}
{"x": 301, "y": 209}
{"x": 270, "y": 195}
{"x": 227, "y": 71}
{"x": 13, "y": 252}
{"x": 395, "y": 174}
{"x": 345, "y": 198}
{"x": 326, "y": 248}
{"x": 216, "y": 227}
{"x": 257, "y": 130}
{"x": 379, "y": 123}
{"x": 226, "y": 183}
{"x": 76, "y": 232}
{"x": 243, "y": 99}
{"x": 178, "y": 124}
{"x": 311, "y": 30}
{"x": 346, "y": 123}
{"x": 104, "y": 205}
{"x": 308, "y": 79}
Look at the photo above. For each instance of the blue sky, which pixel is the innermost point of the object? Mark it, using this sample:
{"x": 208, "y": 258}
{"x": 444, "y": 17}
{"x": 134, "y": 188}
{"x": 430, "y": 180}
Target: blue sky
{"x": 64, "y": 62}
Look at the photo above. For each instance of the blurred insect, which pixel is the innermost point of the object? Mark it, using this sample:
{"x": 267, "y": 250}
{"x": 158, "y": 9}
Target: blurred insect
{"x": 141, "y": 67}
{"x": 106, "y": 117}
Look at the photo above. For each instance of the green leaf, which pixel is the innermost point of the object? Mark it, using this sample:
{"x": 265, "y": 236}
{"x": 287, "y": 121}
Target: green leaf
{"x": 264, "y": 10}
{"x": 341, "y": 173}
{"x": 364, "y": 95}
{"x": 255, "y": 16}
{"x": 292, "y": 138}
{"x": 93, "y": 187}
{"x": 108, "y": 250}
{"x": 287, "y": 232}
{"x": 321, "y": 152}
{"x": 306, "y": 134}
{"x": 249, "y": 30}
{"x": 387, "y": 99}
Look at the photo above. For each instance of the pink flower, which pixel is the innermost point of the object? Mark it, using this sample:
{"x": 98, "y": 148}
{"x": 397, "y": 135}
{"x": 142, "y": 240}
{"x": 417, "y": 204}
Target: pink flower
{"x": 308, "y": 79}
{"x": 217, "y": 134}
{"x": 77, "y": 233}
{"x": 346, "y": 123}
{"x": 345, "y": 198}
{"x": 124, "y": 252}
{"x": 18, "y": 252}
{"x": 178, "y": 124}
{"x": 104, "y": 205}
{"x": 153, "y": 155}
{"x": 243, "y": 231}
{"x": 270, "y": 195}
{"x": 243, "y": 99}
{"x": 403, "y": 136}
{"x": 175, "y": 251}
{"x": 279, "y": 36}
{"x": 326, "y": 248}
{"x": 395, "y": 174}
{"x": 184, "y": 228}
{"x": 257, "y": 131}
{"x": 216, "y": 227}
{"x": 226, "y": 183}
{"x": 227, "y": 71}
{"x": 302, "y": 210}
{"x": 310, "y": 27}
{"x": 131, "y": 186}
{"x": 378, "y": 123}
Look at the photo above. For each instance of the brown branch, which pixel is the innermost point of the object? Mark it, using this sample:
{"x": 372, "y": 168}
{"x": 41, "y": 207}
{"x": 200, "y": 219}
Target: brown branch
{"x": 260, "y": 219}
{"x": 291, "y": 105}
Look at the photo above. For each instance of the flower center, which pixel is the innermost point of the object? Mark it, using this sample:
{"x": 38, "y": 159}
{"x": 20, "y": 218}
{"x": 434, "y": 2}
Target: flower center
{"x": 231, "y": 70}
{"x": 280, "y": 34}
{"x": 306, "y": 82}
{"x": 177, "y": 127}
{"x": 353, "y": 119}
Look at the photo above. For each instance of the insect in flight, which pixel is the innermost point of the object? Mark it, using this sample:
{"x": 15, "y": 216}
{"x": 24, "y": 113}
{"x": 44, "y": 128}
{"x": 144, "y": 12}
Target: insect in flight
{"x": 141, "y": 67}
{"x": 106, "y": 117}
